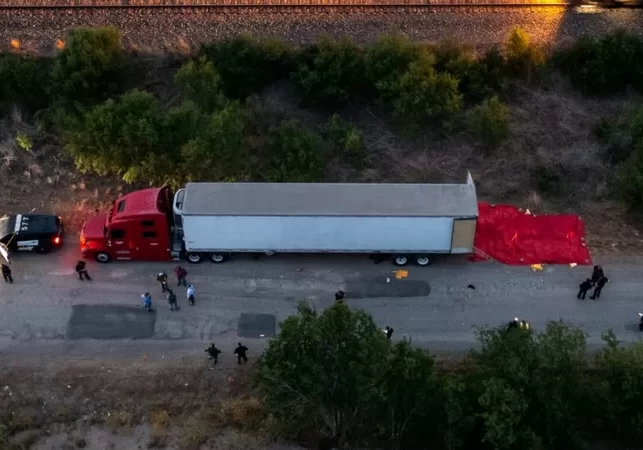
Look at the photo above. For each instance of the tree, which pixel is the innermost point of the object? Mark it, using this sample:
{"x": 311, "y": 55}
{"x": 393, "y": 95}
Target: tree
{"x": 422, "y": 95}
{"x": 489, "y": 122}
{"x": 200, "y": 82}
{"x": 410, "y": 409}
{"x": 621, "y": 368}
{"x": 89, "y": 69}
{"x": 630, "y": 179}
{"x": 319, "y": 372}
{"x": 524, "y": 59}
{"x": 346, "y": 140}
{"x": 292, "y": 154}
{"x": 331, "y": 72}
{"x": 24, "y": 81}
{"x": 218, "y": 152}
{"x": 532, "y": 391}
{"x": 389, "y": 57}
{"x": 122, "y": 137}
{"x": 247, "y": 64}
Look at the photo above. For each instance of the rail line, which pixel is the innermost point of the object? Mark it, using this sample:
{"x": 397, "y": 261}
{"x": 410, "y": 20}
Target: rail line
{"x": 294, "y": 6}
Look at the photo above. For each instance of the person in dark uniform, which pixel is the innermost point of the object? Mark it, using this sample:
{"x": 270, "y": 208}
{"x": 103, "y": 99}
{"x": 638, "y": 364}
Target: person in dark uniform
{"x": 513, "y": 324}
{"x": 162, "y": 278}
{"x": 597, "y": 274}
{"x": 213, "y": 352}
{"x": 6, "y": 274}
{"x": 171, "y": 299}
{"x": 180, "y": 273}
{"x": 583, "y": 288}
{"x": 339, "y": 296}
{"x": 82, "y": 270}
{"x": 389, "y": 332}
{"x": 240, "y": 351}
{"x": 640, "y": 321}
{"x": 600, "y": 284}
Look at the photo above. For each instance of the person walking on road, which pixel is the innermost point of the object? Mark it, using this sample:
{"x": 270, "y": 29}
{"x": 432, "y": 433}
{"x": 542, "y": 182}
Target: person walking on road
{"x": 162, "y": 278}
{"x": 171, "y": 299}
{"x": 81, "y": 269}
{"x": 6, "y": 274}
{"x": 180, "y": 273}
{"x": 240, "y": 351}
{"x": 147, "y": 301}
{"x": 190, "y": 294}
{"x": 597, "y": 274}
{"x": 214, "y": 353}
{"x": 600, "y": 284}
{"x": 583, "y": 288}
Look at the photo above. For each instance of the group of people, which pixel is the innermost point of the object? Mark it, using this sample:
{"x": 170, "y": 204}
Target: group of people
{"x": 597, "y": 281}
{"x": 516, "y": 323}
{"x": 181, "y": 275}
{"x": 239, "y": 352}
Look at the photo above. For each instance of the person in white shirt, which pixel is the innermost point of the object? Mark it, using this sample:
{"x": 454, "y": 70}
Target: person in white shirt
{"x": 191, "y": 295}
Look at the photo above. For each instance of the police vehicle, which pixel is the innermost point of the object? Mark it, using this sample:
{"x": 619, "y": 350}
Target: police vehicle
{"x": 41, "y": 233}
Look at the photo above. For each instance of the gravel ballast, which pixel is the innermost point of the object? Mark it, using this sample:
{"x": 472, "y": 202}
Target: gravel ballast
{"x": 163, "y": 31}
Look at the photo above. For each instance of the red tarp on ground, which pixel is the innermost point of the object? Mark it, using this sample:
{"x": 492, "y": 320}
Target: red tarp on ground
{"x": 510, "y": 236}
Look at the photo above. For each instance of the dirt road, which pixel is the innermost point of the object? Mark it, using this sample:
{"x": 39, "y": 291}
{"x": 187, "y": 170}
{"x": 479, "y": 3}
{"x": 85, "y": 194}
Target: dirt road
{"x": 49, "y": 312}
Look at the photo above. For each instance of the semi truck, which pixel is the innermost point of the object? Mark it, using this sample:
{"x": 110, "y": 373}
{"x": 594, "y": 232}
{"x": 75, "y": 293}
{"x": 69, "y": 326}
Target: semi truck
{"x": 215, "y": 221}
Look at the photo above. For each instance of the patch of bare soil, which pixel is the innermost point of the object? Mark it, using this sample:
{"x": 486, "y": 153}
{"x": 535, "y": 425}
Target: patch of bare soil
{"x": 98, "y": 406}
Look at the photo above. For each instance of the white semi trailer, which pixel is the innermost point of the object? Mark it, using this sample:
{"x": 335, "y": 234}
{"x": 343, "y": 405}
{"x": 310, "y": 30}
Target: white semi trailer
{"x": 409, "y": 222}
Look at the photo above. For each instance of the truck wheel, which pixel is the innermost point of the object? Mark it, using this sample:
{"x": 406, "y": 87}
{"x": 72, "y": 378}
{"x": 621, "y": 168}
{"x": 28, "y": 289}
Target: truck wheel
{"x": 102, "y": 257}
{"x": 422, "y": 260}
{"x": 194, "y": 258}
{"x": 400, "y": 260}
{"x": 217, "y": 258}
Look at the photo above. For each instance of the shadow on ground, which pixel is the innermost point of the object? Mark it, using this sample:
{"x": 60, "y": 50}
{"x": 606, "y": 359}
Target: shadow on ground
{"x": 110, "y": 322}
{"x": 376, "y": 288}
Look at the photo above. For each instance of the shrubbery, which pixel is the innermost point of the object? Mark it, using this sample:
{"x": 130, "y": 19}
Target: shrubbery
{"x": 522, "y": 389}
{"x": 24, "y": 81}
{"x": 489, "y": 122}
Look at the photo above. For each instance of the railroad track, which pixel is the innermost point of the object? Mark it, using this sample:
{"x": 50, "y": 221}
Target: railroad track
{"x": 289, "y": 5}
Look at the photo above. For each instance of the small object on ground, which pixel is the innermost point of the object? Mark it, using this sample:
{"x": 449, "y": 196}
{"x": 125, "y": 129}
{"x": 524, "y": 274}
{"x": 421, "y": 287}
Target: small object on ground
{"x": 471, "y": 286}
{"x": 572, "y": 265}
{"x": 399, "y": 274}
{"x": 536, "y": 267}
{"x": 388, "y": 280}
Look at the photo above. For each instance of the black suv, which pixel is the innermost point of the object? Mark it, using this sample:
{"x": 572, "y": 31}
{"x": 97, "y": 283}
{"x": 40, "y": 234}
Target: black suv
{"x": 31, "y": 232}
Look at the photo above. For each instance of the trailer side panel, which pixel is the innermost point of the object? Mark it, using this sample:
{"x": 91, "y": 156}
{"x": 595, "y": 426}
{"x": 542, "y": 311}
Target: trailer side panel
{"x": 318, "y": 234}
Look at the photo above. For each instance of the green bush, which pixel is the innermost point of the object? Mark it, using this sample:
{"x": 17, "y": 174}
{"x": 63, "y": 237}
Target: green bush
{"x": 123, "y": 137}
{"x": 479, "y": 78}
{"x": 630, "y": 179}
{"x": 389, "y": 57}
{"x": 24, "y": 81}
{"x": 605, "y": 65}
{"x": 247, "y": 65}
{"x": 421, "y": 95}
{"x": 217, "y": 153}
{"x": 620, "y": 135}
{"x": 200, "y": 82}
{"x": 524, "y": 59}
{"x": 549, "y": 179}
{"x": 489, "y": 123}
{"x": 292, "y": 154}
{"x": 346, "y": 141}
{"x": 331, "y": 72}
{"x": 90, "y": 67}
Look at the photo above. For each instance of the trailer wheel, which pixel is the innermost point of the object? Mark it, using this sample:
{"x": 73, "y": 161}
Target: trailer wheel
{"x": 422, "y": 260}
{"x": 217, "y": 258}
{"x": 102, "y": 257}
{"x": 400, "y": 260}
{"x": 194, "y": 258}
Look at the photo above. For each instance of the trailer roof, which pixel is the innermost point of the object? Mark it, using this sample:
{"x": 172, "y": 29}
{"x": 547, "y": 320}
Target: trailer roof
{"x": 331, "y": 199}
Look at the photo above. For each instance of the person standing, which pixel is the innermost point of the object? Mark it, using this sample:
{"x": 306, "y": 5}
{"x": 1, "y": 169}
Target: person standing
{"x": 240, "y": 351}
{"x": 600, "y": 284}
{"x": 213, "y": 352}
{"x": 147, "y": 301}
{"x": 597, "y": 274}
{"x": 583, "y": 288}
{"x": 339, "y": 296}
{"x": 162, "y": 278}
{"x": 6, "y": 274}
{"x": 81, "y": 269}
{"x": 171, "y": 299}
{"x": 388, "y": 331}
{"x": 180, "y": 273}
{"x": 190, "y": 295}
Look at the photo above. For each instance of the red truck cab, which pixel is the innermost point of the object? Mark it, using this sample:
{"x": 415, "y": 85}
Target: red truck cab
{"x": 137, "y": 227}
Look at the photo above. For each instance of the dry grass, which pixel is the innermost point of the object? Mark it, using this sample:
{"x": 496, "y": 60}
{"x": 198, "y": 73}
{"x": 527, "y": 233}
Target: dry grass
{"x": 194, "y": 433}
{"x": 159, "y": 419}
{"x": 246, "y": 413}
{"x": 119, "y": 419}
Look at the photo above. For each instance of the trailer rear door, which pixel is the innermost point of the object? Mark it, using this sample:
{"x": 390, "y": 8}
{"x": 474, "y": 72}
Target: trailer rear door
{"x": 464, "y": 231}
